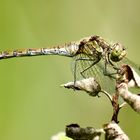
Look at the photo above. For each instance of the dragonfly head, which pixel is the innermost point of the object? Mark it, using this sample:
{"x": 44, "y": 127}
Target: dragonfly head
{"x": 118, "y": 52}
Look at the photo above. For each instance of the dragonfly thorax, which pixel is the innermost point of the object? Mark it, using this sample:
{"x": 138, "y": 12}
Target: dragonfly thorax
{"x": 118, "y": 52}
{"x": 90, "y": 48}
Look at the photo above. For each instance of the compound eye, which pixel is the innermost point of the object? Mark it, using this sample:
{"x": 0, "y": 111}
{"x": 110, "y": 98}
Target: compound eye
{"x": 118, "y": 52}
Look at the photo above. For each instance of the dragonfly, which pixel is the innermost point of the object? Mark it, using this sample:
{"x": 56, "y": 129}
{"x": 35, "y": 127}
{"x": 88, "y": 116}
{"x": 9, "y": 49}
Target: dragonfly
{"x": 92, "y": 57}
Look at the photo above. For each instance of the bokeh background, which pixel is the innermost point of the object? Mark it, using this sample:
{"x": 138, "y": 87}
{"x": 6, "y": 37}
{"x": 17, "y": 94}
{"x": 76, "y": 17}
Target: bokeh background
{"x": 33, "y": 106}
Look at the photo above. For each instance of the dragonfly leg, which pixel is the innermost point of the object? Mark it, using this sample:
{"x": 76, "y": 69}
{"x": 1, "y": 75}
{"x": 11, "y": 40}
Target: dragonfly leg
{"x": 92, "y": 64}
{"x": 107, "y": 62}
{"x": 111, "y": 75}
{"x": 83, "y": 59}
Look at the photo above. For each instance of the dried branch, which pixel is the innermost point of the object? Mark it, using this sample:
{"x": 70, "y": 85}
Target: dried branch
{"x": 132, "y": 99}
{"x": 128, "y": 75}
{"x": 75, "y": 132}
{"x": 90, "y": 86}
{"x": 114, "y": 132}
{"x": 116, "y": 108}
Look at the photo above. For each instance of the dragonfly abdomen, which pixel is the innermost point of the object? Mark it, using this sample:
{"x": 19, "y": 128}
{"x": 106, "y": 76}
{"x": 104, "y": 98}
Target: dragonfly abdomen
{"x": 20, "y": 53}
{"x": 66, "y": 50}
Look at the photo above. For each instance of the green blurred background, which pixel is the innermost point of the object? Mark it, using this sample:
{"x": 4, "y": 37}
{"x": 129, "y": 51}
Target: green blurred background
{"x": 33, "y": 106}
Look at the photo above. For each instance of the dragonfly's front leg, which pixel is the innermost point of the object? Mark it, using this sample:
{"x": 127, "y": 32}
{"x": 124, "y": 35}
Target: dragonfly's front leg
{"x": 82, "y": 72}
{"x": 107, "y": 62}
{"x": 114, "y": 67}
{"x": 105, "y": 71}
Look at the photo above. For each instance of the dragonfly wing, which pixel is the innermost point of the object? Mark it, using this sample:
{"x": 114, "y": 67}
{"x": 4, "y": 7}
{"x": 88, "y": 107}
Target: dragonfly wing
{"x": 82, "y": 62}
{"x": 95, "y": 71}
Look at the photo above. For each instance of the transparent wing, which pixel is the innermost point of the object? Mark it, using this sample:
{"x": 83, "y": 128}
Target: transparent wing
{"x": 96, "y": 71}
{"x": 82, "y": 62}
